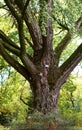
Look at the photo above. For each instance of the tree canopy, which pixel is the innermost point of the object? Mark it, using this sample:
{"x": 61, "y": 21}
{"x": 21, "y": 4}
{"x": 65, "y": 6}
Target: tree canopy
{"x": 33, "y": 38}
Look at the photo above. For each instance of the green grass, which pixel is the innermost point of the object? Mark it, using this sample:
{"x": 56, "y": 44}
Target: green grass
{"x": 78, "y": 128}
{"x": 75, "y": 128}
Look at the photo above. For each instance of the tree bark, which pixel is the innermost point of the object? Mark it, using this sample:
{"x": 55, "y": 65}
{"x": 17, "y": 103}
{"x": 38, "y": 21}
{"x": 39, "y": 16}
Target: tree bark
{"x": 45, "y": 100}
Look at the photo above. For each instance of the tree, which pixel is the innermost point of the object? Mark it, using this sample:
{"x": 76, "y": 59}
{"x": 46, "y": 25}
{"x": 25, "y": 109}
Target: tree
{"x": 35, "y": 23}
{"x": 67, "y": 99}
{"x": 11, "y": 91}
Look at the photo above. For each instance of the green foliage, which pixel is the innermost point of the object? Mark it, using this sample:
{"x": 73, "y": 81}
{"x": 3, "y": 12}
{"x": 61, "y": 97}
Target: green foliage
{"x": 69, "y": 50}
{"x": 10, "y": 92}
{"x": 66, "y": 96}
{"x": 43, "y": 17}
{"x": 66, "y": 12}
{"x": 70, "y": 104}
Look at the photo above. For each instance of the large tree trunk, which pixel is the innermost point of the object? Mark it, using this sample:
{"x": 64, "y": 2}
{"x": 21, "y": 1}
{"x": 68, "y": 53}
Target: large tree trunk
{"x": 44, "y": 99}
{"x": 45, "y": 86}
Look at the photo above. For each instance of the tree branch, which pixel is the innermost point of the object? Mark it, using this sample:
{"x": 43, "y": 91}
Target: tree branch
{"x": 33, "y": 27}
{"x": 12, "y": 9}
{"x": 25, "y": 59}
{"x": 61, "y": 46}
{"x": 49, "y": 33}
{"x": 23, "y": 101}
{"x": 78, "y": 23}
{"x": 49, "y": 30}
{"x": 5, "y": 38}
{"x": 3, "y": 6}
{"x": 63, "y": 26}
{"x": 67, "y": 67}
{"x": 30, "y": 43}
{"x": 10, "y": 60}
{"x": 21, "y": 36}
{"x": 25, "y": 7}
{"x": 65, "y": 41}
{"x": 10, "y": 48}
{"x": 35, "y": 32}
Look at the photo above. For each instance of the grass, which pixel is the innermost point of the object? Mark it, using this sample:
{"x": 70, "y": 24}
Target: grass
{"x": 78, "y": 128}
{"x": 5, "y": 128}
{"x": 75, "y": 128}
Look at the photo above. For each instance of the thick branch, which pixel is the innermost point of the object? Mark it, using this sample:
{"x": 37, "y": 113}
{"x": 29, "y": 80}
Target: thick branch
{"x": 25, "y": 59}
{"x": 49, "y": 33}
{"x": 32, "y": 26}
{"x": 10, "y": 48}
{"x": 67, "y": 67}
{"x": 21, "y": 36}
{"x": 10, "y": 60}
{"x": 5, "y": 38}
{"x": 49, "y": 30}
{"x": 25, "y": 7}
{"x": 34, "y": 31}
{"x": 12, "y": 9}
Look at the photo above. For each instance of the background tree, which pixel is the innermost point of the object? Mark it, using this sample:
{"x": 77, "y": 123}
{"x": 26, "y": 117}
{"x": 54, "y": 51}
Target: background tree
{"x": 70, "y": 102}
{"x": 11, "y": 90}
{"x": 36, "y": 25}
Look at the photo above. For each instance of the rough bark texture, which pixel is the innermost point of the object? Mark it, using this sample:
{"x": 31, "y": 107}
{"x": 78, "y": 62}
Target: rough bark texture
{"x": 42, "y": 68}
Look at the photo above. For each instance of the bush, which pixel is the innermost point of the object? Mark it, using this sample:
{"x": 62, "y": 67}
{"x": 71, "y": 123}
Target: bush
{"x": 5, "y": 119}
